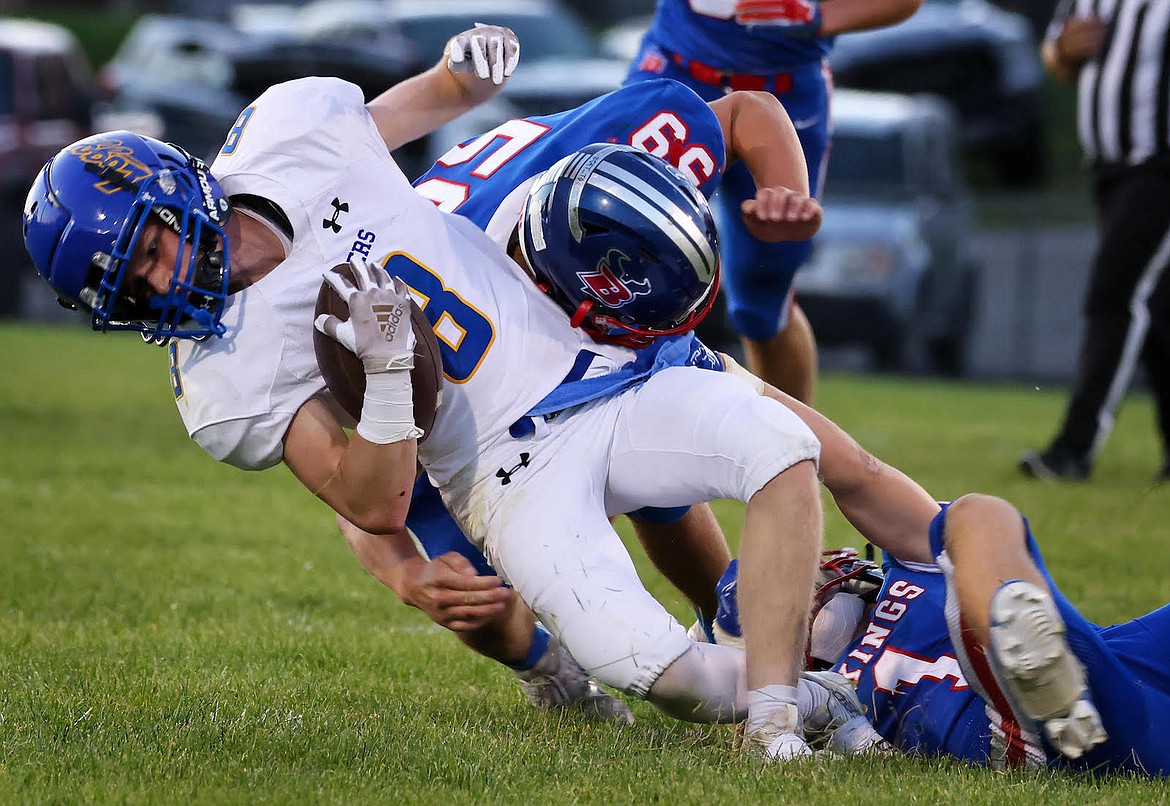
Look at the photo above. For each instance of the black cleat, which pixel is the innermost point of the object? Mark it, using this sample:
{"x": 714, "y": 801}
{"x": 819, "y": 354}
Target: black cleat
{"x": 1055, "y": 465}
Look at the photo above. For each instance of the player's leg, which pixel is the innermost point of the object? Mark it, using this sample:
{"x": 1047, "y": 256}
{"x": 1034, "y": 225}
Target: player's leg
{"x": 788, "y": 360}
{"x": 695, "y": 435}
{"x": 444, "y": 582}
{"x": 1007, "y": 628}
{"x": 757, "y": 281}
{"x": 986, "y": 545}
{"x": 549, "y": 536}
{"x": 687, "y": 547}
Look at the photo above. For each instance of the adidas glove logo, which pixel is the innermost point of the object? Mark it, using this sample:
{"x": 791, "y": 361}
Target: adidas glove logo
{"x": 388, "y": 318}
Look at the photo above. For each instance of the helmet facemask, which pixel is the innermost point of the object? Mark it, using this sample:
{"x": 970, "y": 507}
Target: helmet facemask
{"x": 198, "y": 290}
{"x": 86, "y": 214}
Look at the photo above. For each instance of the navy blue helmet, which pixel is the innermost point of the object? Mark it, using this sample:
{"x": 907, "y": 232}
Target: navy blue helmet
{"x": 623, "y": 242}
{"x": 86, "y": 211}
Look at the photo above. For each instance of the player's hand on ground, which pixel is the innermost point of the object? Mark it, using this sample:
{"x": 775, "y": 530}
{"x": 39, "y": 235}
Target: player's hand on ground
{"x": 378, "y": 330}
{"x": 484, "y": 55}
{"x": 780, "y": 214}
{"x": 798, "y": 18}
{"x": 453, "y": 594}
{"x": 1080, "y": 40}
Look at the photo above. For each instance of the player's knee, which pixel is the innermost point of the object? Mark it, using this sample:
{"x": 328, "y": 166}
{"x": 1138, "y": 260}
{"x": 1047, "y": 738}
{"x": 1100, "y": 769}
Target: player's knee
{"x": 975, "y": 505}
{"x": 969, "y": 516}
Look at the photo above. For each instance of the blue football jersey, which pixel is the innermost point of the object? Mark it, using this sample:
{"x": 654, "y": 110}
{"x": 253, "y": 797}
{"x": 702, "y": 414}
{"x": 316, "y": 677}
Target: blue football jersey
{"x": 906, "y": 671}
{"x": 481, "y": 178}
{"x": 719, "y": 41}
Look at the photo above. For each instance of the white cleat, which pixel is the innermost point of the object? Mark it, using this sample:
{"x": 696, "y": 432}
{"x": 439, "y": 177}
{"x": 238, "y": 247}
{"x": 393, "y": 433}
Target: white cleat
{"x": 557, "y": 681}
{"x": 1039, "y": 672}
{"x": 839, "y": 720}
{"x": 857, "y": 737}
{"x": 779, "y": 738}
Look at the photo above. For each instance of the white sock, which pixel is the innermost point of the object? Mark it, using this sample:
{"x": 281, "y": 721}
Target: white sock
{"x": 763, "y": 702}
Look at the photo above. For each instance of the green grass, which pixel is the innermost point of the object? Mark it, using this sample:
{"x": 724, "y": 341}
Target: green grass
{"x": 173, "y": 630}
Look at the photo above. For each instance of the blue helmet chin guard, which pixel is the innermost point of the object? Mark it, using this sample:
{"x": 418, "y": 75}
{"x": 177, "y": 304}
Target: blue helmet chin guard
{"x": 623, "y": 242}
{"x": 86, "y": 211}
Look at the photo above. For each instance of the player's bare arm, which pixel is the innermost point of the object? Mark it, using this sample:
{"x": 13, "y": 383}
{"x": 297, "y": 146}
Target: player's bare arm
{"x": 473, "y": 69}
{"x": 887, "y": 507}
{"x": 448, "y": 588}
{"x": 843, "y": 16}
{"x": 365, "y": 483}
{"x": 758, "y": 131}
{"x": 365, "y": 477}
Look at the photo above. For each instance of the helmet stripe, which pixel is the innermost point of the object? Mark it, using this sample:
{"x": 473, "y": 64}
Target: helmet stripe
{"x": 579, "y": 169}
{"x": 655, "y": 207}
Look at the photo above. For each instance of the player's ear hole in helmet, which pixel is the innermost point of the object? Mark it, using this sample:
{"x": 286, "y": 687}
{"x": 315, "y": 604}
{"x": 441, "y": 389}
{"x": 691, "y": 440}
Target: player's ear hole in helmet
{"x": 623, "y": 242}
{"x": 84, "y": 217}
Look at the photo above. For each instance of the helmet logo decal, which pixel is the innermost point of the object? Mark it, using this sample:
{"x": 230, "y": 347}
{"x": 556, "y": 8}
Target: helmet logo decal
{"x": 115, "y": 164}
{"x": 608, "y": 284}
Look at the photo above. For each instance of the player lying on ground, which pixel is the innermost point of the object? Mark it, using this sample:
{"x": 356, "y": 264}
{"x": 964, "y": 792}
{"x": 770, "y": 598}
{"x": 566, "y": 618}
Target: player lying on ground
{"x": 137, "y": 234}
{"x": 978, "y": 655}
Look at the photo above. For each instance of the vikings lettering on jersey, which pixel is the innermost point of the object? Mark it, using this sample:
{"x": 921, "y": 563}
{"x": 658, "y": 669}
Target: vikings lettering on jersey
{"x": 481, "y": 178}
{"x": 906, "y": 671}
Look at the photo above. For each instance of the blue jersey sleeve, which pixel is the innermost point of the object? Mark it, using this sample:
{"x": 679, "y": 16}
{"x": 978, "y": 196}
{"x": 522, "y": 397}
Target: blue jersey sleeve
{"x": 663, "y": 117}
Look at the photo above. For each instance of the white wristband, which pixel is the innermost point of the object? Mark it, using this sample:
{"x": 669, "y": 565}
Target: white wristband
{"x": 388, "y": 409}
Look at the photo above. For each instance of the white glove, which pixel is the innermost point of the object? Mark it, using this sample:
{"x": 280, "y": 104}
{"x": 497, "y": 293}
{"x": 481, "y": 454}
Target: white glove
{"x": 798, "y": 18}
{"x": 488, "y": 51}
{"x": 378, "y": 330}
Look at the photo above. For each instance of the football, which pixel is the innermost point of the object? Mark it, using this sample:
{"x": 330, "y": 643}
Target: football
{"x": 343, "y": 371}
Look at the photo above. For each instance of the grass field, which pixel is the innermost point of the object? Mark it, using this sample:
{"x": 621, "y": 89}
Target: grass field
{"x": 173, "y": 630}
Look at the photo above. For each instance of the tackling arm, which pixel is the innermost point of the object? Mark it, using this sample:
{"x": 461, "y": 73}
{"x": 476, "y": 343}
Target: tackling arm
{"x": 886, "y": 506}
{"x": 472, "y": 69}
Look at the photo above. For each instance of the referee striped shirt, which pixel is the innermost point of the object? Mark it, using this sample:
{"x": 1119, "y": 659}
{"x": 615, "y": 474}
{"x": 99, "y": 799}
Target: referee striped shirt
{"x": 1123, "y": 94}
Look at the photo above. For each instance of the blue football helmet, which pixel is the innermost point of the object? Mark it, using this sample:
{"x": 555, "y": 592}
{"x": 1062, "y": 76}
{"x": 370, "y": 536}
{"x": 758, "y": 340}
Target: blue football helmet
{"x": 86, "y": 211}
{"x": 623, "y": 242}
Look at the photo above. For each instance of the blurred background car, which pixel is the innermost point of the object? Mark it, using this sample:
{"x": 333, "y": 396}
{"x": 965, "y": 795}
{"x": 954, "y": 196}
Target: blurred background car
{"x": 893, "y": 266}
{"x": 980, "y": 57}
{"x": 563, "y": 67}
{"x": 197, "y": 74}
{"x": 183, "y": 75}
{"x": 182, "y": 70}
{"x": 46, "y": 95}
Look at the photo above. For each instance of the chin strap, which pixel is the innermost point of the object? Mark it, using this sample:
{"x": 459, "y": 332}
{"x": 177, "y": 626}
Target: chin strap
{"x": 582, "y": 311}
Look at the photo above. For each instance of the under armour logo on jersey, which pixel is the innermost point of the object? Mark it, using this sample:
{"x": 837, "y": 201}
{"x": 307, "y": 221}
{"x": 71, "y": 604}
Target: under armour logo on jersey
{"x": 339, "y": 207}
{"x": 506, "y": 475}
{"x": 608, "y": 284}
{"x": 388, "y": 318}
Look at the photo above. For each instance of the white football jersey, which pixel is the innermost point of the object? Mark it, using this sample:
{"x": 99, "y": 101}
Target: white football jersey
{"x": 311, "y": 147}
